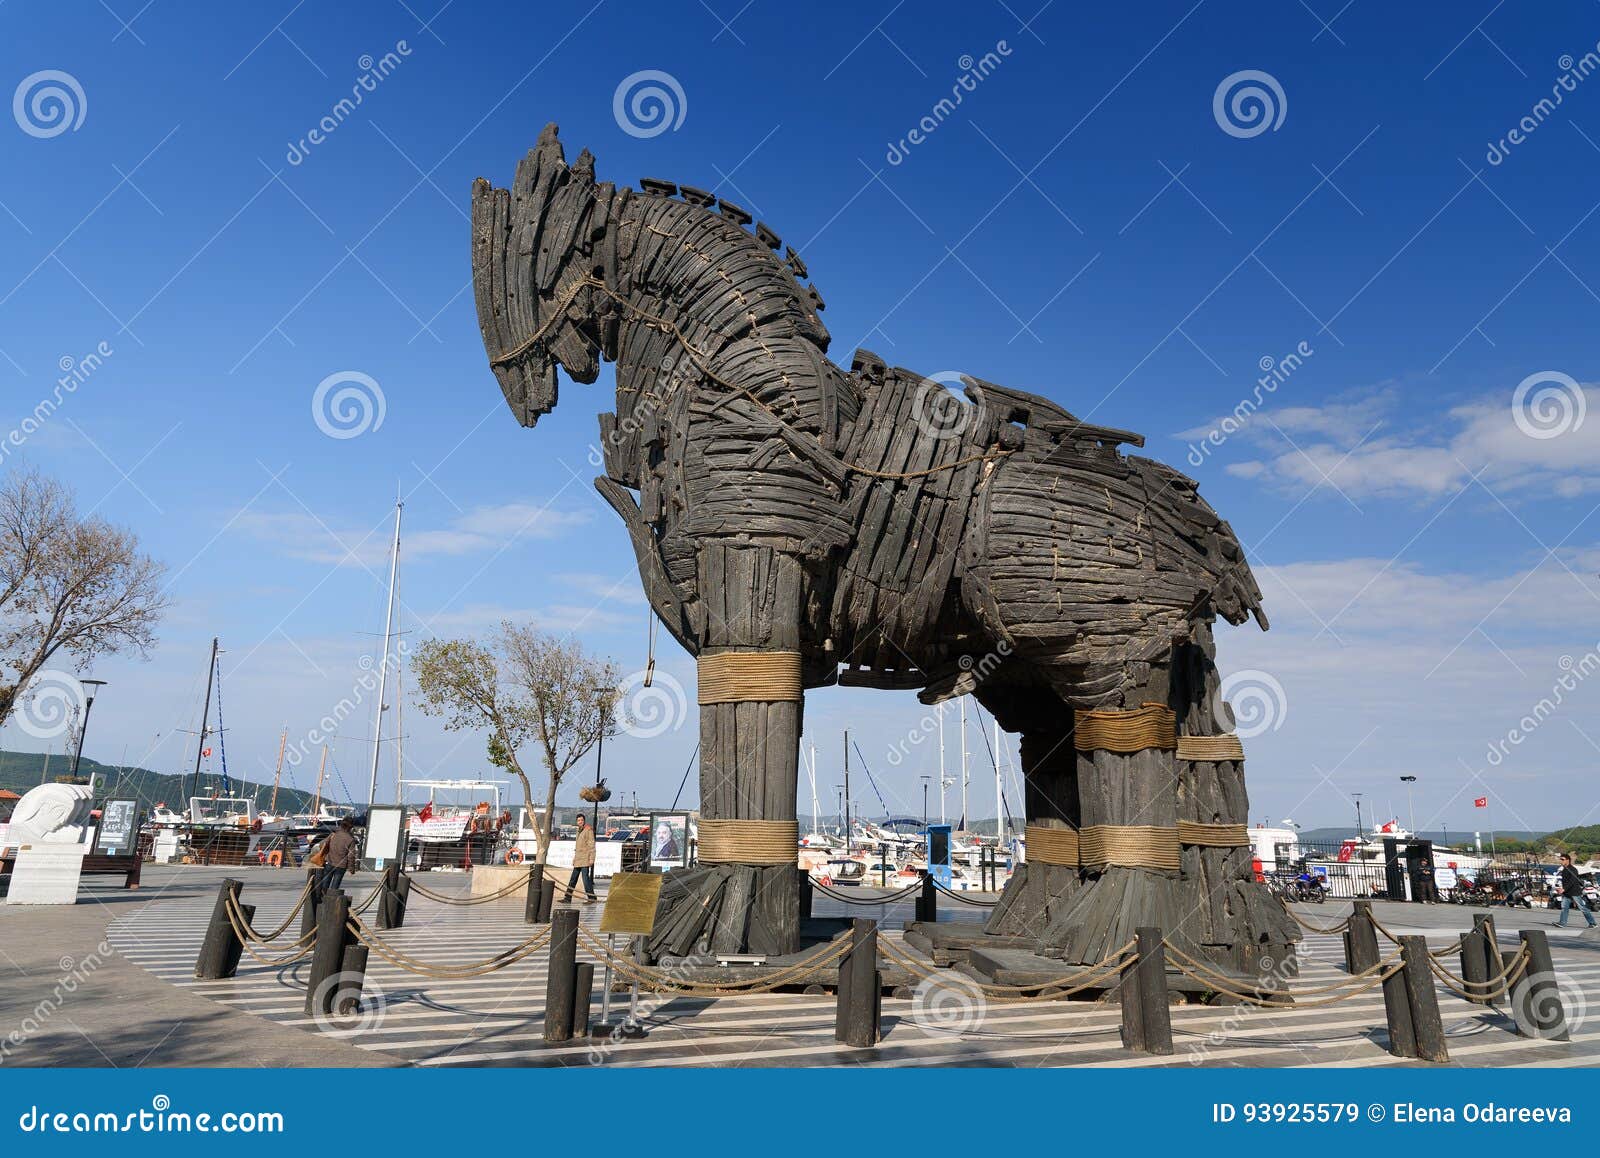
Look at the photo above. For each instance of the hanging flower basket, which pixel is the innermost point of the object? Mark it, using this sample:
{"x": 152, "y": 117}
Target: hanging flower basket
{"x": 594, "y": 793}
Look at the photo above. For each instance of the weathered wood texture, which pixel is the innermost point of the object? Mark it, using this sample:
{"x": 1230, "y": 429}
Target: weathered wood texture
{"x": 894, "y": 533}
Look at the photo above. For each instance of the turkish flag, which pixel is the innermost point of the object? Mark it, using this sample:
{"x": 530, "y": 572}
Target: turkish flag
{"x": 426, "y": 812}
{"x": 1481, "y": 802}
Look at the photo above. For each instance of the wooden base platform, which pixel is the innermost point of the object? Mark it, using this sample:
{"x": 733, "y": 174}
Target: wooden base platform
{"x": 949, "y": 943}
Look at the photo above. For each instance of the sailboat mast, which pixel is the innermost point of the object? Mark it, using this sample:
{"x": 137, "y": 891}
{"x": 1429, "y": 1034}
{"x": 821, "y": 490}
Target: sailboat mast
{"x": 848, "y": 834}
{"x": 963, "y": 762}
{"x": 816, "y": 821}
{"x": 322, "y": 770}
{"x": 940, "y": 711}
{"x": 999, "y": 799}
{"x": 383, "y": 668}
{"x": 283, "y": 742}
{"x": 205, "y": 722}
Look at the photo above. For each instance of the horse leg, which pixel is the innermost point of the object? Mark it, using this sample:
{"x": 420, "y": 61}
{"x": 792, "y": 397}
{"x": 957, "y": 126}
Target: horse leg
{"x": 739, "y": 901}
{"x": 1041, "y": 887}
{"x": 1235, "y": 921}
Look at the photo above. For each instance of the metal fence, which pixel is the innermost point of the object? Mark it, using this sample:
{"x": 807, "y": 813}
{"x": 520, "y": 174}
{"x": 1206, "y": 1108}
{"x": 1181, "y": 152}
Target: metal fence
{"x": 1418, "y": 870}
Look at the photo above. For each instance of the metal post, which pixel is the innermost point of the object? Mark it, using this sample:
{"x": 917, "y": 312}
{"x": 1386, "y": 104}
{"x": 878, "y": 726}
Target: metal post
{"x": 83, "y": 728}
{"x": 383, "y": 668}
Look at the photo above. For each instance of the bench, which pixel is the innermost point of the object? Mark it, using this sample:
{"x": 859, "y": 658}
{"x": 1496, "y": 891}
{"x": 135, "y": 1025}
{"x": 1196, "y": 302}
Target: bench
{"x": 129, "y": 866}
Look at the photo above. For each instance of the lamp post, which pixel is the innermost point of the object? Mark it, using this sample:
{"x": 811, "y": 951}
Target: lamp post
{"x": 925, "y": 802}
{"x": 1359, "y": 833}
{"x": 1411, "y": 808}
{"x": 600, "y": 755}
{"x": 90, "y": 688}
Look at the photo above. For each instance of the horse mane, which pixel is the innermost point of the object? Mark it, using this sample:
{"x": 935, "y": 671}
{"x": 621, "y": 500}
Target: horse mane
{"x": 748, "y": 238}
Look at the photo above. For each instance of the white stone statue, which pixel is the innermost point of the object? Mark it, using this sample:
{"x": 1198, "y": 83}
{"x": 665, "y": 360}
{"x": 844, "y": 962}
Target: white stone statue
{"x": 52, "y": 814}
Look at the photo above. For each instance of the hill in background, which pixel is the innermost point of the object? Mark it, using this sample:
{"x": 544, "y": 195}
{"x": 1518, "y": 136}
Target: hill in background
{"x": 20, "y": 771}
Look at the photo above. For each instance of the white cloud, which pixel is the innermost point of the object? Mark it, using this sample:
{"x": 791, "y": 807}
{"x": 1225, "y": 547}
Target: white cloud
{"x": 306, "y": 536}
{"x": 1358, "y": 448}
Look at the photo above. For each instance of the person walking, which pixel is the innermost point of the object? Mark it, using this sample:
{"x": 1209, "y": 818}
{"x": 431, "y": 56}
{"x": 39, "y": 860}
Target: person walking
{"x": 1571, "y": 885}
{"x": 340, "y": 856}
{"x": 582, "y": 863}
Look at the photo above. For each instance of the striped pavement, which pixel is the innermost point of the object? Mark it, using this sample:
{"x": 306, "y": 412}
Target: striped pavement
{"x": 499, "y": 1019}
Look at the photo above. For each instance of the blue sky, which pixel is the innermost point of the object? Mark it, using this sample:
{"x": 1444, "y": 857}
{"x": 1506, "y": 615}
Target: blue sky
{"x": 1083, "y": 224}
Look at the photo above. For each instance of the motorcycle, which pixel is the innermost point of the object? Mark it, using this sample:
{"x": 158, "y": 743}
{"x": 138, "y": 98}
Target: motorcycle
{"x": 1309, "y": 887}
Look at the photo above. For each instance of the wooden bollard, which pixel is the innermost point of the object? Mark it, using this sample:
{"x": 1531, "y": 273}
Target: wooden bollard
{"x": 308, "y": 911}
{"x": 927, "y": 900}
{"x": 806, "y": 894}
{"x": 402, "y": 899}
{"x": 1361, "y": 939}
{"x": 1397, "y": 1012}
{"x": 386, "y": 898}
{"x": 547, "y": 900}
{"x": 1489, "y": 950}
{"x": 858, "y": 1014}
{"x": 219, "y": 952}
{"x": 352, "y": 974}
{"x": 327, "y": 957}
{"x": 530, "y": 906}
{"x": 1427, "y": 1028}
{"x": 1537, "y": 1004}
{"x": 1475, "y": 967}
{"x": 1146, "y": 1017}
{"x": 582, "y": 997}
{"x": 561, "y": 979}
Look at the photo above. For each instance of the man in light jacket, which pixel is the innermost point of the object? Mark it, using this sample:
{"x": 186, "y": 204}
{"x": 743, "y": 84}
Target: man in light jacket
{"x": 582, "y": 863}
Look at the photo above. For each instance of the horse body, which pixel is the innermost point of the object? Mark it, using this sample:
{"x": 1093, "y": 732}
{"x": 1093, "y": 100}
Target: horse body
{"x": 892, "y": 535}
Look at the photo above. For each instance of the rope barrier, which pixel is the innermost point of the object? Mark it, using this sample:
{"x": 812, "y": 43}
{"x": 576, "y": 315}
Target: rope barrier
{"x": 305, "y": 945}
{"x": 964, "y": 899}
{"x": 1125, "y": 731}
{"x": 1354, "y": 985}
{"x": 888, "y": 900}
{"x": 751, "y": 842}
{"x": 662, "y": 979}
{"x": 1315, "y": 928}
{"x": 446, "y": 899}
{"x": 1483, "y": 990}
{"x": 409, "y": 964}
{"x": 305, "y": 895}
{"x": 736, "y": 677}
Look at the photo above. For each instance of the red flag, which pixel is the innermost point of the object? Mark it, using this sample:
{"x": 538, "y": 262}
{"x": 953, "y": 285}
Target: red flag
{"x": 426, "y": 812}
{"x": 1481, "y": 802}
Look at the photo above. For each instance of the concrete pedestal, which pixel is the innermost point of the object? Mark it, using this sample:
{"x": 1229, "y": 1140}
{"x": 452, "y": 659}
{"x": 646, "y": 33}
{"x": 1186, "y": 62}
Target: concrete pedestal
{"x": 492, "y": 878}
{"x": 46, "y": 874}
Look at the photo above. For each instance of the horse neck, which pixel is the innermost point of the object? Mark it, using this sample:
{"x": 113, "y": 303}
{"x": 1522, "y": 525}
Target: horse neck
{"x": 664, "y": 344}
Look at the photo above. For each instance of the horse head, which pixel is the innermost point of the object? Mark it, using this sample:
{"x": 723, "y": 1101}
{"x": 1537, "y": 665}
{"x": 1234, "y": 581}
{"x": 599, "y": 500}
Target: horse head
{"x": 535, "y": 273}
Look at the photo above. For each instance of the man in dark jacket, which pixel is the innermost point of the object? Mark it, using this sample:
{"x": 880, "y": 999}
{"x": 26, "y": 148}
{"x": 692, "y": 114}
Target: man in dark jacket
{"x": 1572, "y": 892}
{"x": 341, "y": 856}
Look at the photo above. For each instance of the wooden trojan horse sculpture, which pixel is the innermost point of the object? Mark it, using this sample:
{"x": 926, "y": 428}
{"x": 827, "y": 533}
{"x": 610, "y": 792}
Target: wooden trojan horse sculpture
{"x": 797, "y": 525}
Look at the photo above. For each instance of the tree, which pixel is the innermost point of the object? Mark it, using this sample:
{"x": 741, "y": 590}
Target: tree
{"x": 70, "y": 585}
{"x": 524, "y": 687}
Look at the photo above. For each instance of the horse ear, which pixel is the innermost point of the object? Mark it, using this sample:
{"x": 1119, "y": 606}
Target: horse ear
{"x": 549, "y": 146}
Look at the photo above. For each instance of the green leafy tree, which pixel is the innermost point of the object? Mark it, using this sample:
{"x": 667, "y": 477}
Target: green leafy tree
{"x": 527, "y": 689}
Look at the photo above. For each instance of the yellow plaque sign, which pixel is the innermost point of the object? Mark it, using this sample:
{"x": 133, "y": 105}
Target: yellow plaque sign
{"x": 631, "y": 903}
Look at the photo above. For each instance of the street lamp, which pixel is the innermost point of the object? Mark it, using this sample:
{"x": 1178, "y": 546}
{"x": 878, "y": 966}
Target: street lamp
{"x": 1411, "y": 808}
{"x": 90, "y": 688}
{"x": 925, "y": 802}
